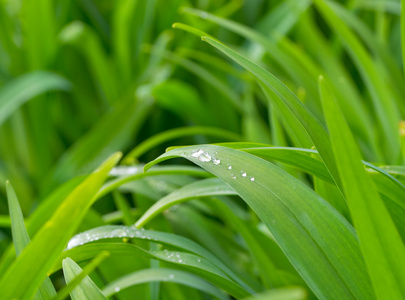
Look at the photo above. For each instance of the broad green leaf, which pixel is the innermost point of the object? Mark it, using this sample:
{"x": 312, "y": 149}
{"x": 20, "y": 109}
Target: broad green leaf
{"x": 318, "y": 241}
{"x": 374, "y": 225}
{"x": 21, "y": 239}
{"x": 163, "y": 275}
{"x": 27, "y": 87}
{"x": 39, "y": 256}
{"x": 86, "y": 289}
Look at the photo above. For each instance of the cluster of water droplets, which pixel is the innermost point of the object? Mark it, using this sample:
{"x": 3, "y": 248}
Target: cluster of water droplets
{"x": 242, "y": 174}
{"x": 115, "y": 232}
{"x": 204, "y": 156}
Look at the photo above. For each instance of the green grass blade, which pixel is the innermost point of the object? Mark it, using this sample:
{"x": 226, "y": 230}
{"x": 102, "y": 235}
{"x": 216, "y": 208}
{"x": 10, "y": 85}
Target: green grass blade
{"x": 383, "y": 102}
{"x": 201, "y": 188}
{"x": 27, "y": 87}
{"x": 101, "y": 140}
{"x": 403, "y": 33}
{"x": 293, "y": 293}
{"x": 194, "y": 263}
{"x": 165, "y": 238}
{"x": 320, "y": 243}
{"x": 165, "y": 170}
{"x": 312, "y": 125}
{"x": 380, "y": 241}
{"x": 82, "y": 37}
{"x": 86, "y": 289}
{"x": 36, "y": 259}
{"x": 18, "y": 230}
{"x": 172, "y": 134}
{"x": 162, "y": 275}
{"x": 21, "y": 239}
{"x": 77, "y": 280}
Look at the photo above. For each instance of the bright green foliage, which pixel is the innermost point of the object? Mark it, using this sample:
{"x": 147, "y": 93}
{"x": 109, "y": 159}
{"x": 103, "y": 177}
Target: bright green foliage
{"x": 263, "y": 149}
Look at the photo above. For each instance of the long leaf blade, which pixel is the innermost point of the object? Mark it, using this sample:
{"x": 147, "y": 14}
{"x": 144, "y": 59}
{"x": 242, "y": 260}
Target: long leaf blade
{"x": 380, "y": 241}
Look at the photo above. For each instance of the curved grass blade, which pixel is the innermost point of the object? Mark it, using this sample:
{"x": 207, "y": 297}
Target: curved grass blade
{"x": 318, "y": 241}
{"x": 194, "y": 263}
{"x": 165, "y": 170}
{"x": 170, "y": 239}
{"x": 164, "y": 275}
{"x": 374, "y": 225}
{"x": 36, "y": 259}
{"x": 21, "y": 239}
{"x": 201, "y": 188}
{"x": 314, "y": 128}
{"x": 27, "y": 87}
{"x": 86, "y": 289}
{"x": 77, "y": 280}
{"x": 168, "y": 135}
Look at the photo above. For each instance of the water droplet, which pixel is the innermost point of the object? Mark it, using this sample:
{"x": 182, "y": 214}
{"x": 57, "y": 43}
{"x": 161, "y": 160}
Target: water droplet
{"x": 229, "y": 167}
{"x": 233, "y": 176}
{"x": 117, "y": 289}
{"x": 180, "y": 260}
{"x": 244, "y": 174}
{"x": 252, "y": 179}
{"x": 198, "y": 260}
{"x": 171, "y": 276}
{"x": 201, "y": 155}
{"x": 216, "y": 161}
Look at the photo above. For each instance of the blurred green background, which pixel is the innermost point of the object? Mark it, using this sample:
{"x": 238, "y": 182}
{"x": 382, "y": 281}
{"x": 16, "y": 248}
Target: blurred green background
{"x": 82, "y": 79}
